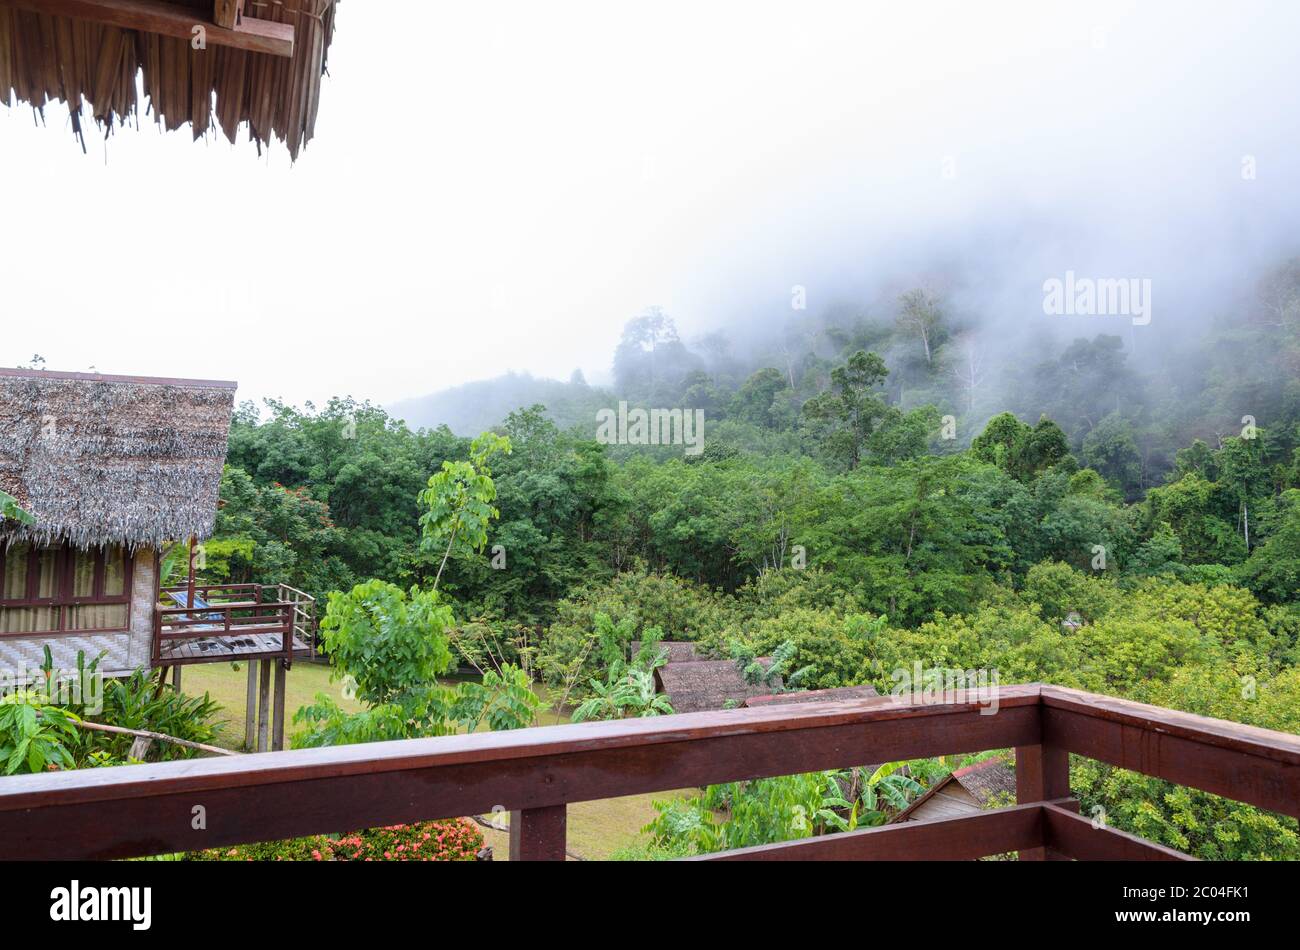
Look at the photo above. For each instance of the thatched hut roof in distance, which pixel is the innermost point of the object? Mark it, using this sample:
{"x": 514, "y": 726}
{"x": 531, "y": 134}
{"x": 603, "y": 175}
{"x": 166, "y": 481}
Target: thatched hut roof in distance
{"x": 987, "y": 784}
{"x": 112, "y": 459}
{"x": 701, "y": 685}
{"x": 834, "y": 694}
{"x": 46, "y": 58}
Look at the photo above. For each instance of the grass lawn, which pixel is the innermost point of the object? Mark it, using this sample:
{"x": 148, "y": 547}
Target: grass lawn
{"x": 595, "y": 828}
{"x": 229, "y": 687}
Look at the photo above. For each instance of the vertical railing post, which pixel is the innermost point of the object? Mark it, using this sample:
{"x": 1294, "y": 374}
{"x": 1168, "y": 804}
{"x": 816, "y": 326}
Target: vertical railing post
{"x": 539, "y": 834}
{"x": 157, "y": 635}
{"x": 1042, "y": 774}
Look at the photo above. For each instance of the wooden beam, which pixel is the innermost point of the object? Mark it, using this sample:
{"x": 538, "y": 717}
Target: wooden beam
{"x": 1018, "y": 828}
{"x": 1081, "y": 839}
{"x": 146, "y": 809}
{"x": 264, "y": 707}
{"x": 226, "y": 13}
{"x": 189, "y": 587}
{"x": 250, "y": 708}
{"x": 165, "y": 19}
{"x": 1042, "y": 774}
{"x": 1256, "y": 766}
{"x": 277, "y": 723}
{"x": 538, "y": 834}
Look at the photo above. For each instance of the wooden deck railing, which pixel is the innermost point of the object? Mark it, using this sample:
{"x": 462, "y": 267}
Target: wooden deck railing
{"x": 535, "y": 773}
{"x": 235, "y": 610}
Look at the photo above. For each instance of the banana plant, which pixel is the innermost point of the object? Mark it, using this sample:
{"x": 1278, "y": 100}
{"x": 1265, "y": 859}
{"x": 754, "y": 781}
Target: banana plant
{"x": 11, "y": 511}
{"x": 886, "y": 785}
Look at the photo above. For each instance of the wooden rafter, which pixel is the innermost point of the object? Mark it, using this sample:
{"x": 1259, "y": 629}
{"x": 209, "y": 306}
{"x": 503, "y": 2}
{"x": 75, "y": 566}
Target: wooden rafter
{"x": 165, "y": 19}
{"x": 226, "y": 13}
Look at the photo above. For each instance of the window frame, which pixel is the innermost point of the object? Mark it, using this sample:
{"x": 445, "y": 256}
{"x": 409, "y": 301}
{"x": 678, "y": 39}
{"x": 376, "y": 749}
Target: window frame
{"x": 63, "y": 599}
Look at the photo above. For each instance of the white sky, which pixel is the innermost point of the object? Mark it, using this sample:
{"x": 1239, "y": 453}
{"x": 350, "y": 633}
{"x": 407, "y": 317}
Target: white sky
{"x": 501, "y": 185}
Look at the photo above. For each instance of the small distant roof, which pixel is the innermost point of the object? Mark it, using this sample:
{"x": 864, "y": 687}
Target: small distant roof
{"x": 813, "y": 696}
{"x": 701, "y": 685}
{"x": 96, "y": 460}
{"x": 983, "y": 782}
{"x": 988, "y": 779}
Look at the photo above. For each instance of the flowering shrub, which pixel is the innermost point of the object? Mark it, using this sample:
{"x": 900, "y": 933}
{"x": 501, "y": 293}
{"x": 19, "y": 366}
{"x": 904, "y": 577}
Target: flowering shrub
{"x": 455, "y": 839}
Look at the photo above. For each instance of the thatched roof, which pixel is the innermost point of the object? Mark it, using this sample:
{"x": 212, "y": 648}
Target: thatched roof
{"x": 700, "y": 685}
{"x": 45, "y": 58}
{"x": 100, "y": 459}
{"x": 835, "y": 694}
{"x": 988, "y": 780}
{"x": 991, "y": 783}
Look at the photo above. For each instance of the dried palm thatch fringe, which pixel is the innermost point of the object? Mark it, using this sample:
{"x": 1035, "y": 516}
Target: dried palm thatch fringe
{"x": 100, "y": 460}
{"x": 47, "y": 59}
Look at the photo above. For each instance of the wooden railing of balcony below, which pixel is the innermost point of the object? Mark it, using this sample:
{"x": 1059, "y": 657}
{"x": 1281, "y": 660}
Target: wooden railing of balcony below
{"x": 534, "y": 773}
{"x": 279, "y": 619}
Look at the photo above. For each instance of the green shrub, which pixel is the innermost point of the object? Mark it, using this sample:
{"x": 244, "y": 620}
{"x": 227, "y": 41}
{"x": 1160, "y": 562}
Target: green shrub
{"x": 133, "y": 702}
{"x": 682, "y": 610}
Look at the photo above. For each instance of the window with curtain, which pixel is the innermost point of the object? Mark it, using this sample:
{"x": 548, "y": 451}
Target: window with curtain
{"x": 61, "y": 588}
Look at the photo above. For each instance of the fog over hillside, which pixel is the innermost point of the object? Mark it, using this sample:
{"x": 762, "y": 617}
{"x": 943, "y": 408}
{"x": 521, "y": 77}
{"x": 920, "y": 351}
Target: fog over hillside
{"x": 947, "y": 172}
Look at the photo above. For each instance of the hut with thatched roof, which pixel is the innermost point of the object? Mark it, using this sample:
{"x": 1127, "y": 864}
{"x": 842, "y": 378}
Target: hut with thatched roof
{"x": 112, "y": 469}
{"x": 700, "y": 685}
{"x": 209, "y": 64}
{"x": 987, "y": 784}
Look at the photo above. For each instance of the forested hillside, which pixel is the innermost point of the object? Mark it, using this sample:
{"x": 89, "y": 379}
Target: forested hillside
{"x": 872, "y": 494}
{"x": 1128, "y": 398}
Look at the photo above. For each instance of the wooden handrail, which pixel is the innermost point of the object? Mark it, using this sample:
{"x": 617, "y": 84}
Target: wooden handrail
{"x": 145, "y": 809}
{"x": 249, "y": 615}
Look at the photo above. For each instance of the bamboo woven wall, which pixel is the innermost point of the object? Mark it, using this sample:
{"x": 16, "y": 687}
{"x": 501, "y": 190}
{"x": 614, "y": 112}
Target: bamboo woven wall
{"x": 47, "y": 59}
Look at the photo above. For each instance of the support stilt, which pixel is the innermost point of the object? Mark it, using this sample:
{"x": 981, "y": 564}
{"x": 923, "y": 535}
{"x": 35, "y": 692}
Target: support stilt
{"x": 277, "y": 727}
{"x": 263, "y": 706}
{"x": 250, "y": 708}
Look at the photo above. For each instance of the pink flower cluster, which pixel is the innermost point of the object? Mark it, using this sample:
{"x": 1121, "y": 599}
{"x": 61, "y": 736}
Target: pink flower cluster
{"x": 453, "y": 839}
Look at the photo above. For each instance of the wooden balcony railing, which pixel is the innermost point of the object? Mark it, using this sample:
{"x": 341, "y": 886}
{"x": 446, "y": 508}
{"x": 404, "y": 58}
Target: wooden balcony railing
{"x": 534, "y": 773}
{"x": 278, "y": 620}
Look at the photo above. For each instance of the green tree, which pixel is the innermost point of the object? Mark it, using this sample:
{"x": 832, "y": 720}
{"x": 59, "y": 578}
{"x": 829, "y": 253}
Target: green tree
{"x": 391, "y": 645}
{"x": 1111, "y": 449}
{"x": 754, "y": 401}
{"x": 920, "y": 317}
{"x": 850, "y": 411}
{"x": 458, "y": 502}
